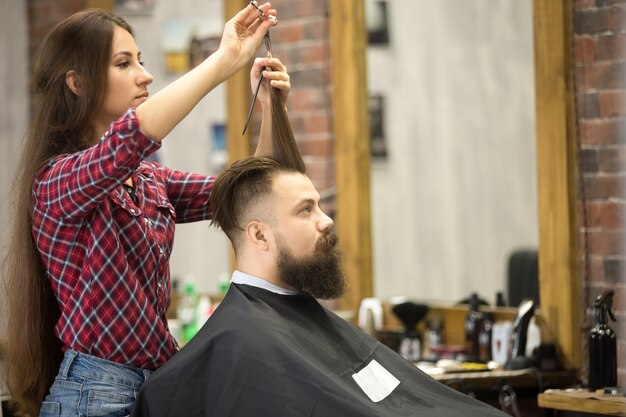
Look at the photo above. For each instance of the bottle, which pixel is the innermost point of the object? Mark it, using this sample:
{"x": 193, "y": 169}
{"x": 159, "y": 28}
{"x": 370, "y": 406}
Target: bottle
{"x": 484, "y": 339}
{"x": 603, "y": 345}
{"x": 188, "y": 312}
{"x": 473, "y": 324}
{"x": 370, "y": 329}
{"x": 434, "y": 342}
{"x": 435, "y": 332}
{"x": 411, "y": 346}
{"x": 224, "y": 284}
{"x": 500, "y": 301}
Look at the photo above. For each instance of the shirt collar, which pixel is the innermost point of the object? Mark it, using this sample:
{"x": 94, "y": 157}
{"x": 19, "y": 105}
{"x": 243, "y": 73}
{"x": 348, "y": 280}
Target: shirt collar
{"x": 247, "y": 279}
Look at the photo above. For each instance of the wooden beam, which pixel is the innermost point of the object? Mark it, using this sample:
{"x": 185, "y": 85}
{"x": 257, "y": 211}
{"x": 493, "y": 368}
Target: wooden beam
{"x": 556, "y": 173}
{"x": 348, "y": 42}
{"x": 237, "y": 99}
{"x": 582, "y": 401}
{"x": 237, "y": 102}
{"x": 100, "y": 4}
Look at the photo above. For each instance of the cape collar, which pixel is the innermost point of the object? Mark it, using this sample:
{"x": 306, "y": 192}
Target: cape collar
{"x": 247, "y": 279}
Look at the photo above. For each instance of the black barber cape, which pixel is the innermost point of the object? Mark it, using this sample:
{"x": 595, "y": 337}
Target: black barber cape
{"x": 263, "y": 354}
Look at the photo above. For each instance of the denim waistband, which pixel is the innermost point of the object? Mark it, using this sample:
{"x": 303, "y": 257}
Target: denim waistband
{"x": 80, "y": 364}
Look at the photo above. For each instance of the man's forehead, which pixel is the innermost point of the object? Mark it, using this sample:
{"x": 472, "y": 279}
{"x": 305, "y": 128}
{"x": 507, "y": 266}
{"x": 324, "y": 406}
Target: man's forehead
{"x": 294, "y": 186}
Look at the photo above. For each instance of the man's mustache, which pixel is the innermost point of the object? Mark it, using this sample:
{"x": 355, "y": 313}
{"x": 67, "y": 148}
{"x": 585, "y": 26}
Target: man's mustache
{"x": 327, "y": 242}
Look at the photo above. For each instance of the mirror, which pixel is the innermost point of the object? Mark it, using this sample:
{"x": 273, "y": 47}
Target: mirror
{"x": 453, "y": 174}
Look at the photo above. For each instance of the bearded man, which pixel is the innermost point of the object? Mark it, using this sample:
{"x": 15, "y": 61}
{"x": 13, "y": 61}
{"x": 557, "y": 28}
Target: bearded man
{"x": 270, "y": 349}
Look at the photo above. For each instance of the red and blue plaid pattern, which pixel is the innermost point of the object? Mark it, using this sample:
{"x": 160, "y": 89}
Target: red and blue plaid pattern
{"x": 107, "y": 257}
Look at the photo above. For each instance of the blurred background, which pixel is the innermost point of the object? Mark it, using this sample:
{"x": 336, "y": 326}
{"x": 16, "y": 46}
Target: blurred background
{"x": 456, "y": 159}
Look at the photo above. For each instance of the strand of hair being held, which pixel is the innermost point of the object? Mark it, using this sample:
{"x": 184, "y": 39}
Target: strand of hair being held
{"x": 284, "y": 148}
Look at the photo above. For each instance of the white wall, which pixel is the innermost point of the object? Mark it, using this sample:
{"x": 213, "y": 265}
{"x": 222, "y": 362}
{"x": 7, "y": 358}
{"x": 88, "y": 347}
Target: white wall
{"x": 14, "y": 111}
{"x": 199, "y": 251}
{"x": 458, "y": 191}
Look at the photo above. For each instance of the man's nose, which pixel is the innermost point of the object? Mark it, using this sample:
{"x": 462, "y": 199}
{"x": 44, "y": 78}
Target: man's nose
{"x": 325, "y": 223}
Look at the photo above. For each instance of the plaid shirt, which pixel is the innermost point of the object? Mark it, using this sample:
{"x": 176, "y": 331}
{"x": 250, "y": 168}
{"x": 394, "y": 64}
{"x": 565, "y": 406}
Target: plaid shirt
{"x": 107, "y": 257}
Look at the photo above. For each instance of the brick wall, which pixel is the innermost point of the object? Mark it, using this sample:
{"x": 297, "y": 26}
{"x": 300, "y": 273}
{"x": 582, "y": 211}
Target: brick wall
{"x": 43, "y": 15}
{"x": 301, "y": 41}
{"x": 600, "y": 88}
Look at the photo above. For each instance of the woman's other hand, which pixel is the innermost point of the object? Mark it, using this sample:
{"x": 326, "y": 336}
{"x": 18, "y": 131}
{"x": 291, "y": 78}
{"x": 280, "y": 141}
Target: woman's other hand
{"x": 274, "y": 74}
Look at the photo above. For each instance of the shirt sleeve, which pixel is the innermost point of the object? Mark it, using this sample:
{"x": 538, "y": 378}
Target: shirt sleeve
{"x": 190, "y": 194}
{"x": 72, "y": 185}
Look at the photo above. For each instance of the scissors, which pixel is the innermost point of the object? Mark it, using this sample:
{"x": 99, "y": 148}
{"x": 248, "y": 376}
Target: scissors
{"x": 268, "y": 49}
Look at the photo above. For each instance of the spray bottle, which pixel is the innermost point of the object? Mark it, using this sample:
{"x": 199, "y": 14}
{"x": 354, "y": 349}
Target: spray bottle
{"x": 602, "y": 345}
{"x": 188, "y": 311}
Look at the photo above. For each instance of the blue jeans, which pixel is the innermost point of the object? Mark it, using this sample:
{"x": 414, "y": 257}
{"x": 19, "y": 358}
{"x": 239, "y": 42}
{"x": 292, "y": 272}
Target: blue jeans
{"x": 87, "y": 386}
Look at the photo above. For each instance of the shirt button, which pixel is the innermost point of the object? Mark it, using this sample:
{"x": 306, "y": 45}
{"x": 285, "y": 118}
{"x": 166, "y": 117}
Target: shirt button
{"x": 161, "y": 251}
{"x": 159, "y": 284}
{"x": 132, "y": 211}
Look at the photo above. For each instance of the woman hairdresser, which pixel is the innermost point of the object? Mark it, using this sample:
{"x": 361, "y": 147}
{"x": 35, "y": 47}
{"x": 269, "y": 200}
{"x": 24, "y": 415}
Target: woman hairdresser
{"x": 87, "y": 271}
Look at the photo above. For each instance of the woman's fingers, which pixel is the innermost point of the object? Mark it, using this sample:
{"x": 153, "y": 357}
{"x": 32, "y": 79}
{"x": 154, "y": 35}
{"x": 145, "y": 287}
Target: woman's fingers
{"x": 275, "y": 75}
{"x": 249, "y": 14}
{"x": 274, "y": 63}
{"x": 255, "y": 25}
{"x": 281, "y": 85}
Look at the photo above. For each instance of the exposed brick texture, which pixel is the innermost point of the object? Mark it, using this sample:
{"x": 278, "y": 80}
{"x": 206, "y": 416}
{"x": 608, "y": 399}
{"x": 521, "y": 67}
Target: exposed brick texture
{"x": 585, "y": 49}
{"x": 589, "y": 161}
{"x": 605, "y": 214}
{"x": 584, "y": 4}
{"x": 601, "y": 19}
{"x": 603, "y": 186}
{"x": 598, "y": 130}
{"x": 613, "y": 104}
{"x": 602, "y": 75}
{"x": 612, "y": 159}
{"x": 600, "y": 85}
{"x": 610, "y": 47}
{"x": 43, "y": 15}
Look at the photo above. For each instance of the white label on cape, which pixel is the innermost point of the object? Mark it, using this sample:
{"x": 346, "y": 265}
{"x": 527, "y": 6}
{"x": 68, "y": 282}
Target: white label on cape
{"x": 376, "y": 381}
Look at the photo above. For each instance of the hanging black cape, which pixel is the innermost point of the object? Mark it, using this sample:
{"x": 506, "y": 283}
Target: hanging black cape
{"x": 263, "y": 354}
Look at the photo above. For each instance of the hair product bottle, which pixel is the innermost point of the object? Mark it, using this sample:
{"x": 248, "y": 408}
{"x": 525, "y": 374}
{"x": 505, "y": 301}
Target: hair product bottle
{"x": 473, "y": 324}
{"x": 603, "y": 345}
{"x": 484, "y": 338}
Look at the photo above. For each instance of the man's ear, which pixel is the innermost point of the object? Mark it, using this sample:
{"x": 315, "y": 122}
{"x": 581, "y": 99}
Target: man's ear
{"x": 256, "y": 233}
{"x": 72, "y": 79}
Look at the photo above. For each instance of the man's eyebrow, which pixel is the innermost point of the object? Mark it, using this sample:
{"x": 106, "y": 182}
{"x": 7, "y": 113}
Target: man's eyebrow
{"x": 304, "y": 202}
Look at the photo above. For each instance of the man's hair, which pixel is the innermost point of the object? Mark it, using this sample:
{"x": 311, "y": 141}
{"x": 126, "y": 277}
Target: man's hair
{"x": 240, "y": 188}
{"x": 243, "y": 186}
{"x": 284, "y": 148}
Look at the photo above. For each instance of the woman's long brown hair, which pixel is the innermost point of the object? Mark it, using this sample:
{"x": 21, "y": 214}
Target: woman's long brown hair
{"x": 61, "y": 125}
{"x": 284, "y": 148}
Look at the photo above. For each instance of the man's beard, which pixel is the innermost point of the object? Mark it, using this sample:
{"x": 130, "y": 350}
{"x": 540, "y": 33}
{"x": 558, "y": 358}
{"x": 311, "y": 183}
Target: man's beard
{"x": 319, "y": 274}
